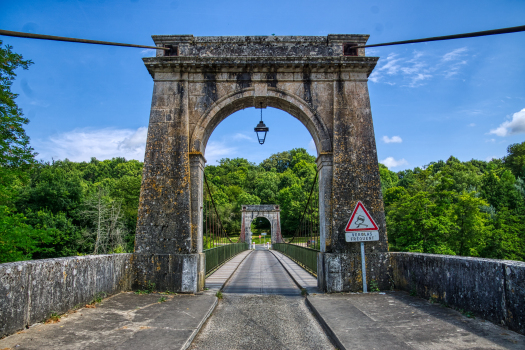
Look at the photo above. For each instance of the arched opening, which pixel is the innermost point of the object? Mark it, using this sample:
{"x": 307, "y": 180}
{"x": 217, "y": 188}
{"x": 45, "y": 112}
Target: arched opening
{"x": 293, "y": 105}
{"x": 284, "y": 178}
{"x": 261, "y": 229}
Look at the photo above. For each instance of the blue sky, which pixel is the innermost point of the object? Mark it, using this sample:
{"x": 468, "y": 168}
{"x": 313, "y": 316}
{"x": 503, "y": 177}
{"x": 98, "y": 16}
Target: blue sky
{"x": 464, "y": 97}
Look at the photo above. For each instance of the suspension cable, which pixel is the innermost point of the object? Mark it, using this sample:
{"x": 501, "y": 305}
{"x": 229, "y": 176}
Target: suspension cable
{"x": 450, "y": 37}
{"x": 75, "y": 40}
{"x": 306, "y": 206}
{"x": 215, "y": 209}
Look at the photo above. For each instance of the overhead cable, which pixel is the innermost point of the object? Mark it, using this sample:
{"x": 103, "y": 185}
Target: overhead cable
{"x": 75, "y": 40}
{"x": 449, "y": 37}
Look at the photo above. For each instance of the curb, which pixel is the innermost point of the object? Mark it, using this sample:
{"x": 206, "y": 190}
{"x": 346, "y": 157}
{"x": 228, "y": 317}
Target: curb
{"x": 331, "y": 335}
{"x": 210, "y": 311}
{"x": 197, "y": 330}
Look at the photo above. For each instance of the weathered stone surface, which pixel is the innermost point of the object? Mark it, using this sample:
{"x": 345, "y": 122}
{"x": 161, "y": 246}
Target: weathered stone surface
{"x": 126, "y": 321}
{"x": 210, "y": 78}
{"x": 183, "y": 273}
{"x": 492, "y": 289}
{"x": 342, "y": 271}
{"x": 31, "y": 290}
{"x": 394, "y": 320}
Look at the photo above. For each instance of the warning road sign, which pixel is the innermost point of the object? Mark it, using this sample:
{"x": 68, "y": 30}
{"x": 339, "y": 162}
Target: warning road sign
{"x": 361, "y": 227}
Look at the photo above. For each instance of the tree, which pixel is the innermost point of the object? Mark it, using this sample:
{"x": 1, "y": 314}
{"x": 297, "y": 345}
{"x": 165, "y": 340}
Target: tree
{"x": 15, "y": 153}
{"x": 14, "y": 143}
{"x": 107, "y": 229}
{"x": 515, "y": 160}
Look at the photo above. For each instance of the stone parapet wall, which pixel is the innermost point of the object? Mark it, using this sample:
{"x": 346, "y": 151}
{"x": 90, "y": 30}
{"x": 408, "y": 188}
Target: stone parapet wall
{"x": 491, "y": 289}
{"x": 31, "y": 290}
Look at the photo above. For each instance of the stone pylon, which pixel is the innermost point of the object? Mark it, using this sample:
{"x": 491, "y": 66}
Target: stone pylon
{"x": 200, "y": 81}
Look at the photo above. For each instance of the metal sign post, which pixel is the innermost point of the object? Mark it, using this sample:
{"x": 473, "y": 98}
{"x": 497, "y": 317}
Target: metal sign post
{"x": 363, "y": 266}
{"x": 361, "y": 228}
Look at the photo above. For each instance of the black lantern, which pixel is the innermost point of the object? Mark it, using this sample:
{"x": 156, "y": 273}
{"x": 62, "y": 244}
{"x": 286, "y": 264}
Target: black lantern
{"x": 261, "y": 130}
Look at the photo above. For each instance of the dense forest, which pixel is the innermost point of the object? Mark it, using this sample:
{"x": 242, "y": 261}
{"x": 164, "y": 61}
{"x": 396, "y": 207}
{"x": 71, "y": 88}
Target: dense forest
{"x": 65, "y": 208}
{"x": 473, "y": 208}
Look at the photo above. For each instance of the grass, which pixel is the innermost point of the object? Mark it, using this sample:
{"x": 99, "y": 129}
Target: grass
{"x": 99, "y": 297}
{"x": 374, "y": 287}
{"x": 162, "y": 299}
{"x": 150, "y": 287}
{"x": 218, "y": 295}
{"x": 264, "y": 239}
{"x": 53, "y": 318}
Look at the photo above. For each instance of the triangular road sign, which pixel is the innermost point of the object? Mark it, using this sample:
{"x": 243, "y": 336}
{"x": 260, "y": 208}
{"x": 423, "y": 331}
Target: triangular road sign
{"x": 360, "y": 220}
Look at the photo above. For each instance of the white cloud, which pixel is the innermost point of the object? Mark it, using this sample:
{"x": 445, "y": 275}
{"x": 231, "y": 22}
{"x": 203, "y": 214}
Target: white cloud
{"x": 217, "y": 150}
{"x": 454, "y": 54}
{"x": 393, "y": 139}
{"x": 472, "y": 124}
{"x": 390, "y": 162}
{"x": 148, "y": 52}
{"x": 311, "y": 146}
{"x": 240, "y": 136}
{"x": 82, "y": 144}
{"x": 135, "y": 141}
{"x": 416, "y": 69}
{"x": 511, "y": 127}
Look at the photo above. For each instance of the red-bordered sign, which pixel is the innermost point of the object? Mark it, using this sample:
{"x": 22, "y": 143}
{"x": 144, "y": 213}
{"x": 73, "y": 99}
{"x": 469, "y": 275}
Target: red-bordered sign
{"x": 360, "y": 220}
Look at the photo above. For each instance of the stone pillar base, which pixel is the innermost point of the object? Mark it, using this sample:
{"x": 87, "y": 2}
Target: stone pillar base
{"x": 180, "y": 273}
{"x": 340, "y": 272}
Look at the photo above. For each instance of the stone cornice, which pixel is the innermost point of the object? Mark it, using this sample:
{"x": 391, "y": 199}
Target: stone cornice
{"x": 360, "y": 64}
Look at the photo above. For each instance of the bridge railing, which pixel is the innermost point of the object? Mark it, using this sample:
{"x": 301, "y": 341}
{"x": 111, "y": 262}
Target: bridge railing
{"x": 305, "y": 243}
{"x": 305, "y": 257}
{"x": 217, "y": 244}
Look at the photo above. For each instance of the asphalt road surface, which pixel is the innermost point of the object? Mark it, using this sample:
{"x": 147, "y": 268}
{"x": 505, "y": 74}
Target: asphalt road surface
{"x": 262, "y": 308}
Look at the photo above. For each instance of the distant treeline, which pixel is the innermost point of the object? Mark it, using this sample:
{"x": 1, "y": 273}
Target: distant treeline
{"x": 473, "y": 208}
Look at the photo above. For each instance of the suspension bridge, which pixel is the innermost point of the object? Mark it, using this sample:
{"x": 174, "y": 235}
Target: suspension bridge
{"x": 190, "y": 283}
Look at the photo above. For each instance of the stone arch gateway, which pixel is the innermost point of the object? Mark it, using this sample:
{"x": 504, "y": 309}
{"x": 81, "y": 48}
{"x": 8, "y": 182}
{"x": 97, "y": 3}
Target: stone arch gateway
{"x": 271, "y": 212}
{"x": 202, "y": 81}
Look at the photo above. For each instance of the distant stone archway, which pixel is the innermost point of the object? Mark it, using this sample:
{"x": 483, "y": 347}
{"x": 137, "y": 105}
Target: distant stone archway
{"x": 321, "y": 81}
{"x": 272, "y": 212}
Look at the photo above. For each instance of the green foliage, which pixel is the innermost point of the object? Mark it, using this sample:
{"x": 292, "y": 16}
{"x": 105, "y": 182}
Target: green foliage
{"x": 65, "y": 208}
{"x": 18, "y": 240}
{"x": 15, "y": 151}
{"x": 374, "y": 286}
{"x": 515, "y": 160}
{"x": 284, "y": 178}
{"x": 472, "y": 208}
{"x": 148, "y": 289}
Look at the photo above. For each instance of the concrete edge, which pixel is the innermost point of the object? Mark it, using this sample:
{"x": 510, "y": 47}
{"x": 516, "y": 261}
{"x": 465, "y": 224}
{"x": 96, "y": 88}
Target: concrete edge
{"x": 233, "y": 273}
{"x": 201, "y": 323}
{"x": 331, "y": 335}
{"x": 196, "y": 331}
{"x": 288, "y": 272}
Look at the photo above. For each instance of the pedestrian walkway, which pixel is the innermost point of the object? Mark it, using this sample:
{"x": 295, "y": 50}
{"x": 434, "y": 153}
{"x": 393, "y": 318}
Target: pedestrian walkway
{"x": 397, "y": 321}
{"x": 126, "y": 321}
{"x": 303, "y": 278}
{"x": 216, "y": 280}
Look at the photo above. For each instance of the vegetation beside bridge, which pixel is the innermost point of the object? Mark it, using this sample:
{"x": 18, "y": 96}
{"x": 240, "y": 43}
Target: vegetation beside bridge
{"x": 64, "y": 208}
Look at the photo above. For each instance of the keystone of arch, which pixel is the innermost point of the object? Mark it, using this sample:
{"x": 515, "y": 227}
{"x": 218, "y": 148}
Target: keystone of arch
{"x": 274, "y": 97}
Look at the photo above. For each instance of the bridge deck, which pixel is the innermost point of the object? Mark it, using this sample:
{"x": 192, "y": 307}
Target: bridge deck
{"x": 263, "y": 309}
